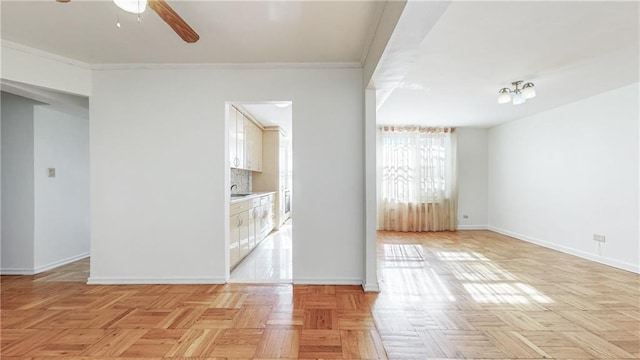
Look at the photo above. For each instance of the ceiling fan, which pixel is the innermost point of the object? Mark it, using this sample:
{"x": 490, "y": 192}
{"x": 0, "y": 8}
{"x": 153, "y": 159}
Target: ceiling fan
{"x": 163, "y": 10}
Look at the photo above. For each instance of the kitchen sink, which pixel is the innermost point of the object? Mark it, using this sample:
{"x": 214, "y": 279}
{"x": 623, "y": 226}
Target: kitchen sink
{"x": 239, "y": 195}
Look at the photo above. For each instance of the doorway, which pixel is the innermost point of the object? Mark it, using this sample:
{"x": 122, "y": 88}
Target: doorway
{"x": 45, "y": 181}
{"x": 260, "y": 239}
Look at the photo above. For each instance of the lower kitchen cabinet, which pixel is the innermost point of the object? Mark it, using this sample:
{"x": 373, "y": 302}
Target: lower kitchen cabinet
{"x": 251, "y": 221}
{"x": 244, "y": 234}
{"x": 234, "y": 239}
{"x": 266, "y": 215}
{"x": 253, "y": 234}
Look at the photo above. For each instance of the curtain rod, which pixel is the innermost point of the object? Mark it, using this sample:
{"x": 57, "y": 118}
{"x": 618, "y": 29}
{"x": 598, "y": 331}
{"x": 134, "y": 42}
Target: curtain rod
{"x": 414, "y": 128}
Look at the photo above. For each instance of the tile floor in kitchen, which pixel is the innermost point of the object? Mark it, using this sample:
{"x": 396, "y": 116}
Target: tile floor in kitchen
{"x": 269, "y": 262}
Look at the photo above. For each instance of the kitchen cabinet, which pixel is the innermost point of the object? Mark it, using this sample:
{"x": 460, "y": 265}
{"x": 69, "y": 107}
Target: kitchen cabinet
{"x": 266, "y": 215}
{"x": 254, "y": 232}
{"x": 276, "y": 173}
{"x": 244, "y": 234}
{"x": 254, "y": 223}
{"x": 238, "y": 231}
{"x": 236, "y": 138}
{"x": 250, "y": 222}
{"x": 234, "y": 239}
{"x": 253, "y": 148}
{"x": 245, "y": 142}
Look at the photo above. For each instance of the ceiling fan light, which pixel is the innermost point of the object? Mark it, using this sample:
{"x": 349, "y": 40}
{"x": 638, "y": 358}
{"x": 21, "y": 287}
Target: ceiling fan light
{"x": 504, "y": 97}
{"x": 529, "y": 91}
{"x": 519, "y": 98}
{"x": 132, "y": 6}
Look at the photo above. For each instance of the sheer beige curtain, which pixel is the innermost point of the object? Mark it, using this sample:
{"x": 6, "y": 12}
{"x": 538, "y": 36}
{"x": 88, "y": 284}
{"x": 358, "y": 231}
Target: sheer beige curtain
{"x": 418, "y": 186}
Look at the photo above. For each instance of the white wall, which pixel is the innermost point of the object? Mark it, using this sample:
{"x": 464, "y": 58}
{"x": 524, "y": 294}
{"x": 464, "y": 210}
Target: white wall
{"x": 17, "y": 185}
{"x": 472, "y": 178}
{"x": 61, "y": 227}
{"x": 558, "y": 177}
{"x": 372, "y": 189}
{"x": 159, "y": 172}
{"x": 0, "y": 183}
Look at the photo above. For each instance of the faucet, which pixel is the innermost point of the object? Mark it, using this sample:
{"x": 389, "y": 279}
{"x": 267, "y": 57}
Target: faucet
{"x": 233, "y": 186}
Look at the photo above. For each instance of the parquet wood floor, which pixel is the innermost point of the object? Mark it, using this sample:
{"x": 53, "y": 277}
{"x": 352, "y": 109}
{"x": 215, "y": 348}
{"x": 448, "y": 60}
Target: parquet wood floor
{"x": 464, "y": 295}
{"x": 478, "y": 294}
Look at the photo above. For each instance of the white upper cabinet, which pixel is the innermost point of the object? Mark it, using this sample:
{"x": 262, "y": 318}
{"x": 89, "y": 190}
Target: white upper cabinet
{"x": 236, "y": 139}
{"x": 245, "y": 142}
{"x": 253, "y": 155}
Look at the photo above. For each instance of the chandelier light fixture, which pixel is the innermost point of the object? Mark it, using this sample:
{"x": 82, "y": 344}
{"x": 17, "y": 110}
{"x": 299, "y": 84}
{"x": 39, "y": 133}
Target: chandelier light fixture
{"x": 517, "y": 95}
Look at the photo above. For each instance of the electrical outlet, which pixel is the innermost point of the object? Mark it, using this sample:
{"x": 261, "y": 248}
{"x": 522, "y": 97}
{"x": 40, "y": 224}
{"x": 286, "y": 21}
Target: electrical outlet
{"x": 598, "y": 238}
{"x": 465, "y": 216}
{"x": 52, "y": 172}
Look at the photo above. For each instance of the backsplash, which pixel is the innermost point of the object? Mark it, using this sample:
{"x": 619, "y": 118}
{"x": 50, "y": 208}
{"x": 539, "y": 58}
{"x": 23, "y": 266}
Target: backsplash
{"x": 243, "y": 179}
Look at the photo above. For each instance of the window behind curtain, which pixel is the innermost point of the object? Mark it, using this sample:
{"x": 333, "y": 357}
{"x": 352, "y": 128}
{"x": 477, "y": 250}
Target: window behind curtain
{"x": 414, "y": 165}
{"x": 418, "y": 168}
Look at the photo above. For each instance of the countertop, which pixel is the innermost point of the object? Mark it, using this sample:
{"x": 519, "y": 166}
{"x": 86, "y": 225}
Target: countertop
{"x": 252, "y": 196}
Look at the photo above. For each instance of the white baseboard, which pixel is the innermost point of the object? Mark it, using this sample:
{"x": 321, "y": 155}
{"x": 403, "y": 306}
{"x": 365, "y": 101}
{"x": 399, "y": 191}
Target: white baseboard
{"x": 472, "y": 227}
{"x": 93, "y": 280}
{"x": 43, "y": 268}
{"x": 371, "y": 287}
{"x": 571, "y": 251}
{"x": 58, "y": 263}
{"x": 260, "y": 282}
{"x": 327, "y": 282}
{"x": 17, "y": 271}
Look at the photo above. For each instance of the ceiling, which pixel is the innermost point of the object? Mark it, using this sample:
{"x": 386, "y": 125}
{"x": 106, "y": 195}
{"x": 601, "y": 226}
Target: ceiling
{"x": 443, "y": 65}
{"x": 230, "y": 31}
{"x": 269, "y": 114}
{"x": 570, "y": 50}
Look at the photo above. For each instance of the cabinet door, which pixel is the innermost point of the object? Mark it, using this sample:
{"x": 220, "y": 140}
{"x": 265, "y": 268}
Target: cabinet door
{"x": 253, "y": 146}
{"x": 253, "y": 234}
{"x": 240, "y": 141}
{"x": 270, "y": 214}
{"x": 236, "y": 139}
{"x": 244, "y": 234}
{"x": 257, "y": 151}
{"x": 233, "y": 136}
{"x": 234, "y": 239}
{"x": 264, "y": 220}
{"x": 248, "y": 144}
{"x": 260, "y": 224}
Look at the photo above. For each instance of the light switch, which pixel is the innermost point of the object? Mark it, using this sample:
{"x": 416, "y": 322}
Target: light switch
{"x": 52, "y": 172}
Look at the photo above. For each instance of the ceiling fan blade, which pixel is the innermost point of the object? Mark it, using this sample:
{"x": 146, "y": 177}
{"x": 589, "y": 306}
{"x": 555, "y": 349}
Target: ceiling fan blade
{"x": 174, "y": 20}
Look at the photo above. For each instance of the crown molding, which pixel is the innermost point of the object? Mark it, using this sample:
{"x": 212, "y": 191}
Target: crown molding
{"x": 176, "y": 66}
{"x": 373, "y": 29}
{"x": 226, "y": 66}
{"x": 43, "y": 54}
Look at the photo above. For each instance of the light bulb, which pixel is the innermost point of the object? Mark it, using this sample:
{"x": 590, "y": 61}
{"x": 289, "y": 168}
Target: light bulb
{"x": 132, "y": 6}
{"x": 529, "y": 91}
{"x": 504, "y": 97}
